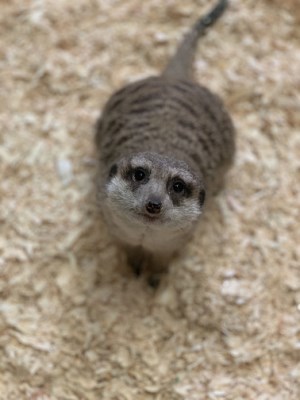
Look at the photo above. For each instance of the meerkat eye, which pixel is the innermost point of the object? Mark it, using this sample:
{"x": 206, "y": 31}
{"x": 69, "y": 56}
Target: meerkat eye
{"x": 179, "y": 187}
{"x": 138, "y": 175}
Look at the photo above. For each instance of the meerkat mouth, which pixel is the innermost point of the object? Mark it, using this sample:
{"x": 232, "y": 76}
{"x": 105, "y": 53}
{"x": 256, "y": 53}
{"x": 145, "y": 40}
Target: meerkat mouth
{"x": 150, "y": 218}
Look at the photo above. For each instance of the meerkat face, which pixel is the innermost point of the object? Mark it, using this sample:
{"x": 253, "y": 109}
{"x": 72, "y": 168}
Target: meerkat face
{"x": 149, "y": 189}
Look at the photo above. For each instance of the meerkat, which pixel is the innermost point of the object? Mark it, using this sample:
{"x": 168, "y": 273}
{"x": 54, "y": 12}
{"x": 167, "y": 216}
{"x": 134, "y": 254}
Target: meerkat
{"x": 164, "y": 144}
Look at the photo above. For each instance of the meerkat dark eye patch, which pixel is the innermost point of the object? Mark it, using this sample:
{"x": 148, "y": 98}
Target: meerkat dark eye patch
{"x": 178, "y": 187}
{"x": 138, "y": 174}
{"x": 113, "y": 171}
{"x": 178, "y": 190}
{"x": 201, "y": 197}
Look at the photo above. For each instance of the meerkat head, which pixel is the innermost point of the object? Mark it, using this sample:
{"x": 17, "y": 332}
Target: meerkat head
{"x": 153, "y": 189}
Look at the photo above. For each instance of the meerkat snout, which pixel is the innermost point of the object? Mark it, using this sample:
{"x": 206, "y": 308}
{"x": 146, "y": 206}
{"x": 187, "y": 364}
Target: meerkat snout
{"x": 153, "y": 206}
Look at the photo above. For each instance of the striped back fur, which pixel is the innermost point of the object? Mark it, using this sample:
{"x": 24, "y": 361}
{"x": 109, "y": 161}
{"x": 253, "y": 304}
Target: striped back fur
{"x": 171, "y": 115}
{"x": 175, "y": 118}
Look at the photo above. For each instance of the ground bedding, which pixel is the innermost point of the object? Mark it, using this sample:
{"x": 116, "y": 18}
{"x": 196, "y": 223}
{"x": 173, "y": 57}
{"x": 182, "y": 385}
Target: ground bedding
{"x": 74, "y": 323}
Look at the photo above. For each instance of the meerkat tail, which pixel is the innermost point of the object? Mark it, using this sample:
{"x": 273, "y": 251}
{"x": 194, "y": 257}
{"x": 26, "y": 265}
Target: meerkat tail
{"x": 180, "y": 65}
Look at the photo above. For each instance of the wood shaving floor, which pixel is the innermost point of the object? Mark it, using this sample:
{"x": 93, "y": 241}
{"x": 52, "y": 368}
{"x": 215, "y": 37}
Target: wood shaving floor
{"x": 74, "y": 322}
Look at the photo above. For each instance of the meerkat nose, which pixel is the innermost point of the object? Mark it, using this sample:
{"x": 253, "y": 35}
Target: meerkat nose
{"x": 153, "y": 207}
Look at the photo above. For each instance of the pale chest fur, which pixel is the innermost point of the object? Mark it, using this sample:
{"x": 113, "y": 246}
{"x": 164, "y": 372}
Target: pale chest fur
{"x": 153, "y": 237}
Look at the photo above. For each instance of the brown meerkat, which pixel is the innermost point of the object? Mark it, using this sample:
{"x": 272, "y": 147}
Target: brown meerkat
{"x": 164, "y": 143}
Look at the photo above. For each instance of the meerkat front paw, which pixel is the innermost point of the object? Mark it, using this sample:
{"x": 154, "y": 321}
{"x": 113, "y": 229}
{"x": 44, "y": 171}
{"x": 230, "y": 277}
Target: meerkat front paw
{"x": 136, "y": 260}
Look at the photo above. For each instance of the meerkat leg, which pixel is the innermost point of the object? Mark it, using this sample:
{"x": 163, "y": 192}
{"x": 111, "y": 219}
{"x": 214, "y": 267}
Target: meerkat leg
{"x": 157, "y": 267}
{"x": 136, "y": 259}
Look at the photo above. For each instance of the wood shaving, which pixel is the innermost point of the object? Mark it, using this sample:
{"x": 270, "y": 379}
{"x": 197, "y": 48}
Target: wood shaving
{"x": 74, "y": 323}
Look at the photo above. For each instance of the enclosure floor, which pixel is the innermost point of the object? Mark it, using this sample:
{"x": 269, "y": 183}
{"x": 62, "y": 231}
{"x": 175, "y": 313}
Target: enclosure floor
{"x": 74, "y": 322}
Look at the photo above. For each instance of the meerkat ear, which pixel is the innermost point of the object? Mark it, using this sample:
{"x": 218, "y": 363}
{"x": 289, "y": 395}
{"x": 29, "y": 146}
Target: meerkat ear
{"x": 113, "y": 171}
{"x": 202, "y": 197}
